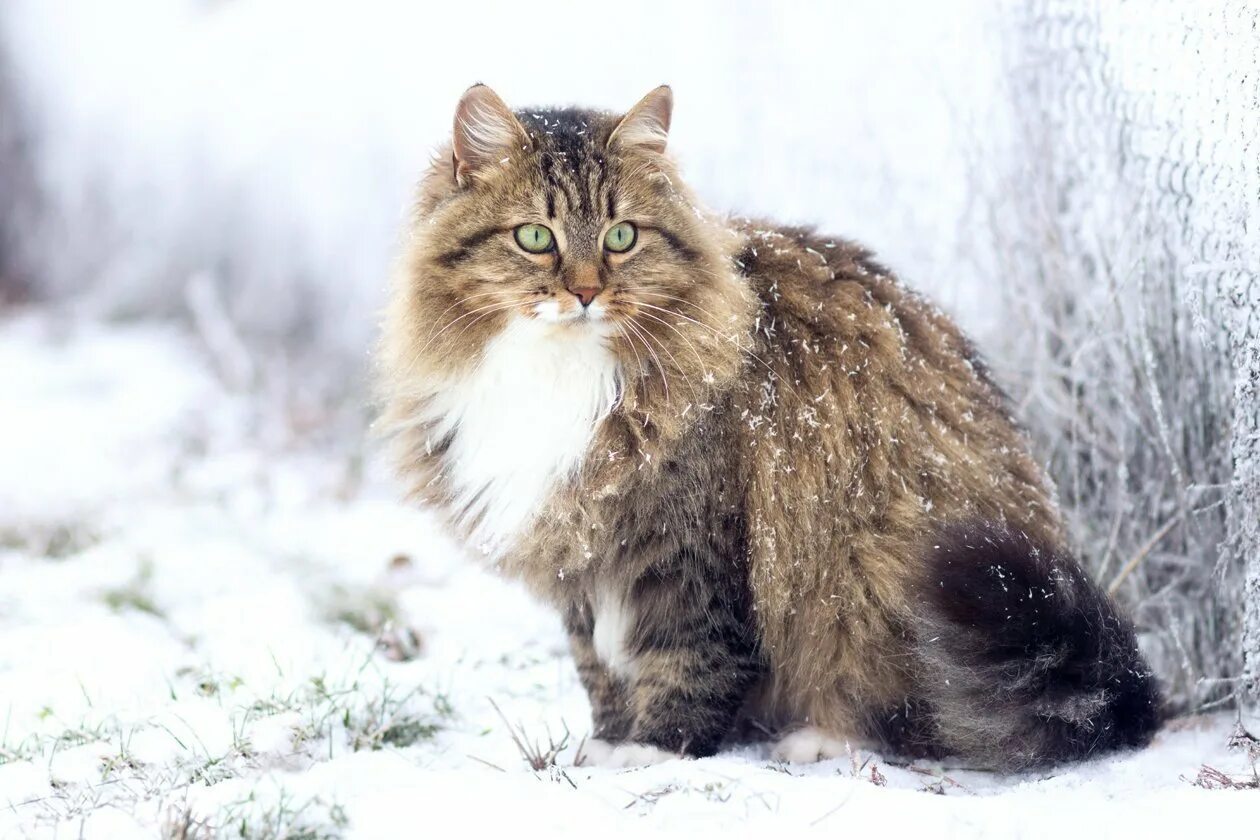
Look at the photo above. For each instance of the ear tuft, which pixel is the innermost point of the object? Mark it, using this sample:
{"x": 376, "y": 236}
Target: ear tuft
{"x": 646, "y": 125}
{"x": 486, "y": 132}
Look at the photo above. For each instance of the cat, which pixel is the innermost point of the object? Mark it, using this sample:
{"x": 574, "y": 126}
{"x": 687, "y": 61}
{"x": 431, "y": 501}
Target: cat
{"x": 763, "y": 483}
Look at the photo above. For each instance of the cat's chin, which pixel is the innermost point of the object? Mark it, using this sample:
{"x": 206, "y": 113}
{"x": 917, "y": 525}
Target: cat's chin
{"x": 580, "y": 329}
{"x": 549, "y": 312}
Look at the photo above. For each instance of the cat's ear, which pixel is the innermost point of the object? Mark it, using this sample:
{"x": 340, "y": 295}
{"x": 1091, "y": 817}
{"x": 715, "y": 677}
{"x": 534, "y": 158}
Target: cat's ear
{"x": 646, "y": 125}
{"x": 486, "y": 132}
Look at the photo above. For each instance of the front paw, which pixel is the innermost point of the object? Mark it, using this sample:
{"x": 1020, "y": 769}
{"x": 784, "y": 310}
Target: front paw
{"x": 807, "y": 745}
{"x": 596, "y": 752}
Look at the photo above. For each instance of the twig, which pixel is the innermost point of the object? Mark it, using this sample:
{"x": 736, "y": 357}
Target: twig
{"x": 1146, "y": 549}
{"x": 843, "y": 802}
{"x": 941, "y": 777}
{"x": 487, "y": 763}
{"x": 1209, "y": 778}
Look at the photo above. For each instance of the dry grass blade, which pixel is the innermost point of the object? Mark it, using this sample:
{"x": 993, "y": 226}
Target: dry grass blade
{"x": 652, "y": 796}
{"x": 181, "y": 824}
{"x": 938, "y": 786}
{"x": 1209, "y": 778}
{"x": 535, "y": 754}
{"x": 877, "y": 778}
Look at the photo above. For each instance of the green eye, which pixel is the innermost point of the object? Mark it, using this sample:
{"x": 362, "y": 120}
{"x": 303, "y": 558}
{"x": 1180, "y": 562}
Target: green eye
{"x": 620, "y": 237}
{"x": 536, "y": 239}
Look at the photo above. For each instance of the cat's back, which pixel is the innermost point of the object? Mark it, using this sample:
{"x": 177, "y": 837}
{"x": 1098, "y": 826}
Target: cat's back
{"x": 867, "y": 399}
{"x": 826, "y": 301}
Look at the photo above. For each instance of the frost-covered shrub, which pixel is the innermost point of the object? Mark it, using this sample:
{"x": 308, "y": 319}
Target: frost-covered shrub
{"x": 1118, "y": 230}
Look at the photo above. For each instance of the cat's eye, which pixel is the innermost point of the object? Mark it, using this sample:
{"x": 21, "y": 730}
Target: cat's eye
{"x": 620, "y": 237}
{"x": 536, "y": 239}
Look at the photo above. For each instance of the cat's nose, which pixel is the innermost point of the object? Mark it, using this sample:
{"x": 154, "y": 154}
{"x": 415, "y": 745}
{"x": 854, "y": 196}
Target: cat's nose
{"x": 583, "y": 282}
{"x": 586, "y": 294}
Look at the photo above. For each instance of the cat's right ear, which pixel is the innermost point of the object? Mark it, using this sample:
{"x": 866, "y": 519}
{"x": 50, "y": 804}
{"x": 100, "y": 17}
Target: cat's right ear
{"x": 486, "y": 133}
{"x": 646, "y": 125}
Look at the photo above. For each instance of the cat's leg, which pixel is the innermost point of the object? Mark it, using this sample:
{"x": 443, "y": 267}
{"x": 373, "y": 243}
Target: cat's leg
{"x": 610, "y": 710}
{"x": 687, "y": 652}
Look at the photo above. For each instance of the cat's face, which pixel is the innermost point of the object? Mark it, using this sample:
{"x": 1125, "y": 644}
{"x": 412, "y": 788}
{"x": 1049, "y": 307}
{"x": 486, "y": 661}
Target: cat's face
{"x": 576, "y": 219}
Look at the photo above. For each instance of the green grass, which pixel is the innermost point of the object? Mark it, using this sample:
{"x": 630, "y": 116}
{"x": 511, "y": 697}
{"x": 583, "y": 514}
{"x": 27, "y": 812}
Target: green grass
{"x": 252, "y": 818}
{"x": 136, "y": 594}
{"x": 54, "y": 542}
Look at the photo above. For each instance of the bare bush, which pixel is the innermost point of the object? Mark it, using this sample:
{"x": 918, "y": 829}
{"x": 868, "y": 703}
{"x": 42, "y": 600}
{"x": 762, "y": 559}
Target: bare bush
{"x": 1116, "y": 228}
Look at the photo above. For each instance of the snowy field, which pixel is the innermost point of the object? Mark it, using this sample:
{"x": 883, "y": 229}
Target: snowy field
{"x": 208, "y": 630}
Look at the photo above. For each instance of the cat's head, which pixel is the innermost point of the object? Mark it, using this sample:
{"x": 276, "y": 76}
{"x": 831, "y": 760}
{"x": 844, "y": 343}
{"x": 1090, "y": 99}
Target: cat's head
{"x": 576, "y": 219}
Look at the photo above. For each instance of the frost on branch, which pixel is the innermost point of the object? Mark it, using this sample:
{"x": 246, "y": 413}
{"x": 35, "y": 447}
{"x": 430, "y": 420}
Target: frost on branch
{"x": 1116, "y": 226}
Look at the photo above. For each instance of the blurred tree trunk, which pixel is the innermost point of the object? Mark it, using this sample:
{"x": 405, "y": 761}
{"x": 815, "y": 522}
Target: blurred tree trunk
{"x": 16, "y": 188}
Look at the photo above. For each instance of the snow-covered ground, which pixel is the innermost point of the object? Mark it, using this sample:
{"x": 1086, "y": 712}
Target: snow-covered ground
{"x": 207, "y": 629}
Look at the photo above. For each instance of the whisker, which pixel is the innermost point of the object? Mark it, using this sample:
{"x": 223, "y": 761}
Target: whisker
{"x": 661, "y": 367}
{"x": 488, "y": 311}
{"x": 463, "y": 300}
{"x": 677, "y": 367}
{"x": 691, "y": 303}
{"x": 681, "y": 335}
{"x": 637, "y": 359}
{"x": 778, "y": 377}
{"x": 491, "y": 307}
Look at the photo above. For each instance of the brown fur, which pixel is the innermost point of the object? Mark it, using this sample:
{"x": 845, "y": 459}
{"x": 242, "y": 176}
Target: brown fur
{"x": 795, "y": 430}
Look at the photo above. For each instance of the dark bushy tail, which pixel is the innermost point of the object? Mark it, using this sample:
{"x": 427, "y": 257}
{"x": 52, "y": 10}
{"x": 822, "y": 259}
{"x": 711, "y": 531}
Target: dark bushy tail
{"x": 1023, "y": 660}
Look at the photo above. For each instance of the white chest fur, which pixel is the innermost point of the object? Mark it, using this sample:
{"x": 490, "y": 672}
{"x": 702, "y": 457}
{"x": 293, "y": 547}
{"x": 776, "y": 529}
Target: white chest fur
{"x": 522, "y": 420}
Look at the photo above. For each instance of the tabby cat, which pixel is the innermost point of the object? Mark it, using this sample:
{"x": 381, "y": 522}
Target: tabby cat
{"x": 761, "y": 480}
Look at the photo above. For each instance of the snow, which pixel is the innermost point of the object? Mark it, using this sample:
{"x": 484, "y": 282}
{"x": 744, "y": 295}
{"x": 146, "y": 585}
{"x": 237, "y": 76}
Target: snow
{"x": 203, "y": 621}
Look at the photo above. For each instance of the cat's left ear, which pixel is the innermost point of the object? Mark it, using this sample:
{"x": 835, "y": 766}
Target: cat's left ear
{"x": 646, "y": 125}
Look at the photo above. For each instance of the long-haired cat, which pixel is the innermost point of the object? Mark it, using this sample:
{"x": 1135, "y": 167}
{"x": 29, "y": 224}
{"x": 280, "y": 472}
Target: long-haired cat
{"x": 758, "y": 477}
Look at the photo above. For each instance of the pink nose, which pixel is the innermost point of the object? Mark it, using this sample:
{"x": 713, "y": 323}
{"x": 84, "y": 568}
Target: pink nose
{"x": 586, "y": 294}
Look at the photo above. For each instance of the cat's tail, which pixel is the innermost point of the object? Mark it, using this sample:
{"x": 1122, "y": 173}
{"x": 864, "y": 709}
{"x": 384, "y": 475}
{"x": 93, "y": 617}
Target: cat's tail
{"x": 1023, "y": 660}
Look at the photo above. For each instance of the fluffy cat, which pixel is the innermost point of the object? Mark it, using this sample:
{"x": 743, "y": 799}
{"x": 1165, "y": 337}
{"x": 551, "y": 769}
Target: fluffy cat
{"x": 759, "y": 478}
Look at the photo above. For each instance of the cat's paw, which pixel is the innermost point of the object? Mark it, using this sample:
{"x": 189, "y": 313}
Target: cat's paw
{"x": 805, "y": 746}
{"x": 599, "y": 753}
